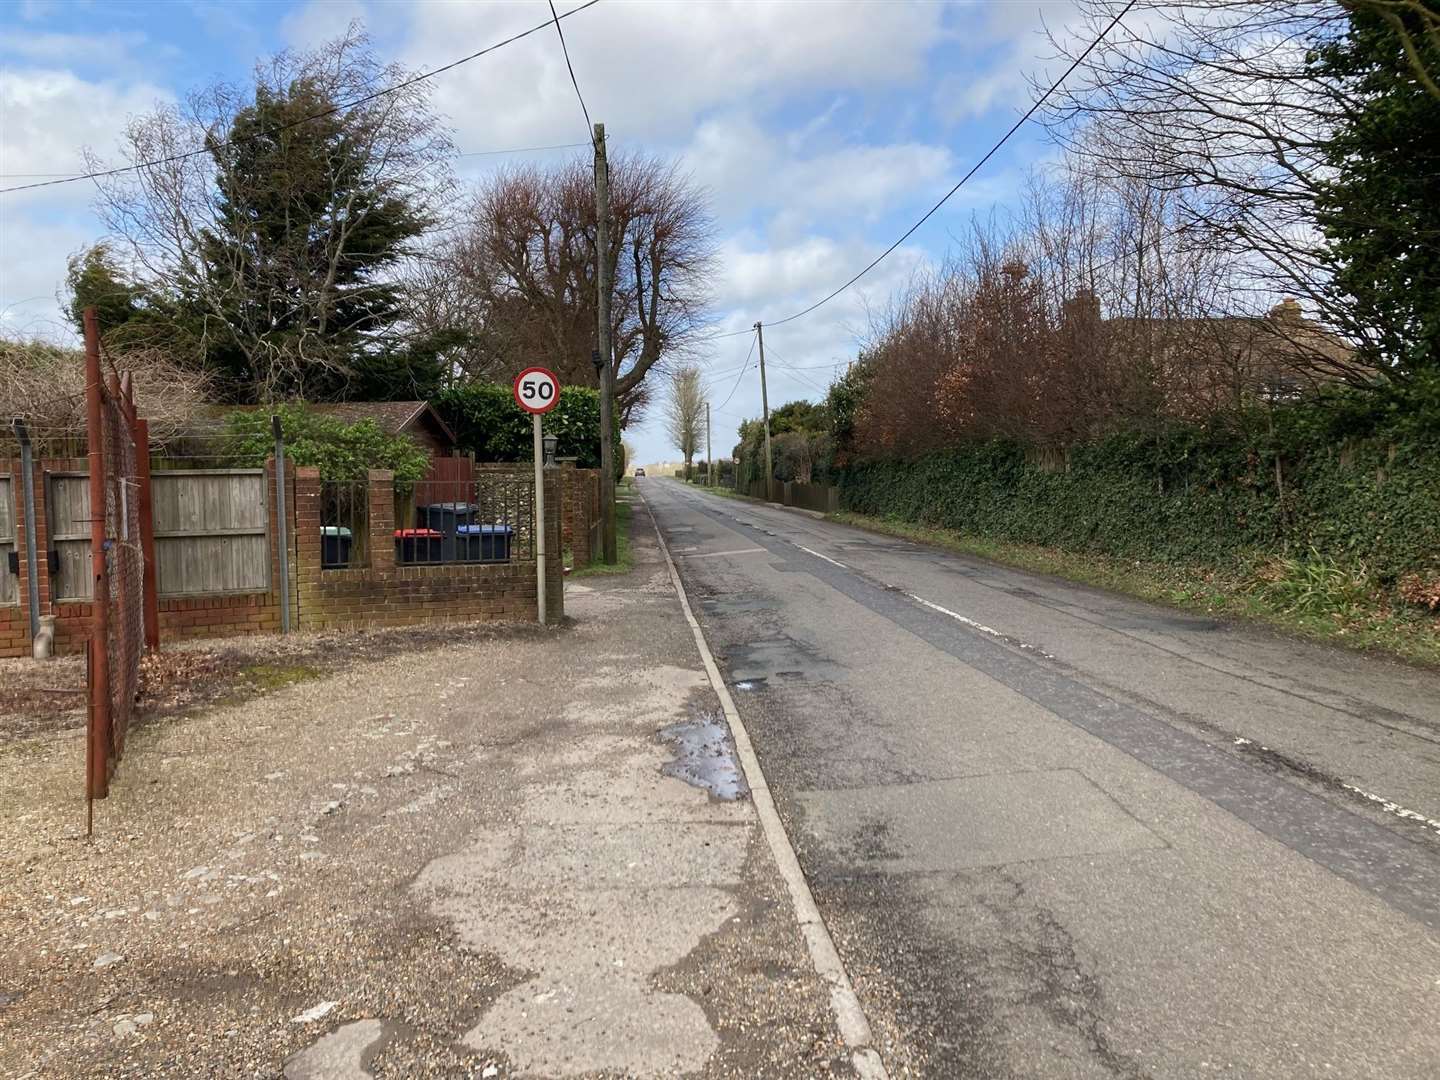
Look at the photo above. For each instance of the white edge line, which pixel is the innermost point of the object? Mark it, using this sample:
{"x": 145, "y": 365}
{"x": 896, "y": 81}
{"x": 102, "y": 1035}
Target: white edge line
{"x": 849, "y": 1014}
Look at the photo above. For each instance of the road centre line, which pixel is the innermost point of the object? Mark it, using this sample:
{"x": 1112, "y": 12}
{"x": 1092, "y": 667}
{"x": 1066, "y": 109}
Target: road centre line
{"x": 997, "y": 634}
{"x": 808, "y": 551}
{"x": 978, "y": 626}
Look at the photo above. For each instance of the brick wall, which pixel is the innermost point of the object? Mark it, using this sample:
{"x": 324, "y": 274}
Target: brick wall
{"x": 220, "y": 615}
{"x": 580, "y": 505}
{"x": 384, "y": 594}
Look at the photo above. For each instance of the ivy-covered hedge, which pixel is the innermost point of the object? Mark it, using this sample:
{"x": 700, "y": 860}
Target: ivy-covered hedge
{"x": 1189, "y": 497}
{"x": 488, "y": 423}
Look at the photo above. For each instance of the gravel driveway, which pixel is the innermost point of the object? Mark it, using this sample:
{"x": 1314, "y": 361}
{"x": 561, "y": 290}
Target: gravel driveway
{"x": 303, "y": 873}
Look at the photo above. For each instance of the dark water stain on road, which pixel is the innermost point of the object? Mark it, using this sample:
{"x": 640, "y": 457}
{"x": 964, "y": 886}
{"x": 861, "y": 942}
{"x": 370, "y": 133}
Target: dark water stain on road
{"x": 706, "y": 757}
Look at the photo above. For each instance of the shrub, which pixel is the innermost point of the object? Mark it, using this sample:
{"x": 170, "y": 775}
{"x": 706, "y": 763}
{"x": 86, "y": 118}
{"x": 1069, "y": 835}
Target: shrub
{"x": 341, "y": 451}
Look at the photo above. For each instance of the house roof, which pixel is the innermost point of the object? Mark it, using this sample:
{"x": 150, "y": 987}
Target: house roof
{"x": 392, "y": 417}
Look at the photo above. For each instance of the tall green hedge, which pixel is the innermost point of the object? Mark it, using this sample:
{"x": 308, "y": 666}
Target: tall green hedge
{"x": 1185, "y": 497}
{"x": 488, "y": 423}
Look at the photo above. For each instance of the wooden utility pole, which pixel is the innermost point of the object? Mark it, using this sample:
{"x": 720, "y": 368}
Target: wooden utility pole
{"x": 765, "y": 409}
{"x": 709, "y": 455}
{"x": 607, "y": 372}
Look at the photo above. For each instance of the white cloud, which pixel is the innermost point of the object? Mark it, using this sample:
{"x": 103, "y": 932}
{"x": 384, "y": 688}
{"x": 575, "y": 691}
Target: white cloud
{"x": 649, "y": 70}
{"x": 49, "y": 116}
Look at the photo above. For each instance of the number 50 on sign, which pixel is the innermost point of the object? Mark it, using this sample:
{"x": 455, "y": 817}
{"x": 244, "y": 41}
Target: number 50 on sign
{"x": 537, "y": 390}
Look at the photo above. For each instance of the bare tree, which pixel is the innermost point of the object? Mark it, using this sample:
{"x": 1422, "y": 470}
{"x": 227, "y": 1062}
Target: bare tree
{"x": 527, "y": 257}
{"x": 270, "y": 214}
{"x": 1215, "y": 107}
{"x": 1084, "y": 313}
{"x": 685, "y": 412}
{"x": 45, "y": 385}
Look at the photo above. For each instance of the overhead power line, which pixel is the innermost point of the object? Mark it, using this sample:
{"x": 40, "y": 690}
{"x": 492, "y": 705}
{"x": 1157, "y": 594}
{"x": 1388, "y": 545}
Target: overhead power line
{"x": 363, "y": 99}
{"x": 569, "y": 67}
{"x": 973, "y": 170}
{"x": 472, "y": 153}
{"x": 743, "y": 368}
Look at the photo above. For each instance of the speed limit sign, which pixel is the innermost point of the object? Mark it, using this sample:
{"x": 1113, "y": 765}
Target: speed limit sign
{"x": 537, "y": 390}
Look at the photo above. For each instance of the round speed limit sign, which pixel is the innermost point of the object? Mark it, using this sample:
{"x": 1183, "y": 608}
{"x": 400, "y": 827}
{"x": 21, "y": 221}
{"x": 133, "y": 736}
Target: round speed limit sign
{"x": 537, "y": 390}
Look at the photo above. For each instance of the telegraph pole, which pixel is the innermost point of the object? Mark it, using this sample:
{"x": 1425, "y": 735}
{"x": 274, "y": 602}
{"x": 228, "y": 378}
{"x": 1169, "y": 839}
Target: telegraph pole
{"x": 606, "y": 366}
{"x": 709, "y": 455}
{"x": 765, "y": 408}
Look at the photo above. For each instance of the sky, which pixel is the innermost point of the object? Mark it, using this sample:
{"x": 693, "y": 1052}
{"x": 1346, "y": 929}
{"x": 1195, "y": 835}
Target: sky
{"x": 820, "y": 130}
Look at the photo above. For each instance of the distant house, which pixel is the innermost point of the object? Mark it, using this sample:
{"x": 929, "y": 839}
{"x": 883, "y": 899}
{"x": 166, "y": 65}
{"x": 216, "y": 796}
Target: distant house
{"x": 1218, "y": 363}
{"x": 416, "y": 419}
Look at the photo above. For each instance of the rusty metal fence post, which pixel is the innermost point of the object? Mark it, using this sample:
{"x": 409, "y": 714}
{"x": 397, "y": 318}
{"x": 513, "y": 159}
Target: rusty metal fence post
{"x": 124, "y": 611}
{"x": 98, "y": 781}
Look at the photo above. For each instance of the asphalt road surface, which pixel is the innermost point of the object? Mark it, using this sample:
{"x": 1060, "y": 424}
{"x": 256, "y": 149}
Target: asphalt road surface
{"x": 1059, "y": 833}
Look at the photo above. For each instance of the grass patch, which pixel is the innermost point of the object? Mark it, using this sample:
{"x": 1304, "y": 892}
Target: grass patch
{"x": 1308, "y": 596}
{"x": 268, "y": 677}
{"x": 624, "y": 557}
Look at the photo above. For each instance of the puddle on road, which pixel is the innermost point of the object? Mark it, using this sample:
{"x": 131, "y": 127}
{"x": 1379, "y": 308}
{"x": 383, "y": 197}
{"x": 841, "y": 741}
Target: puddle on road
{"x": 750, "y": 686}
{"x": 707, "y": 757}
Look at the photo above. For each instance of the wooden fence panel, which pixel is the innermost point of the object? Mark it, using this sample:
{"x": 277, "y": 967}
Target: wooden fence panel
{"x": 9, "y": 584}
{"x": 68, "y": 509}
{"x": 211, "y": 531}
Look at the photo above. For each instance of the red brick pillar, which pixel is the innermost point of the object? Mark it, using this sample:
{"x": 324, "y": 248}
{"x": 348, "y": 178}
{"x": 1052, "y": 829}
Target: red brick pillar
{"x": 305, "y": 498}
{"x": 554, "y": 557}
{"x": 381, "y": 516}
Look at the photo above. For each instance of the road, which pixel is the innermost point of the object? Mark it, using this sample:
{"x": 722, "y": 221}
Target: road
{"x": 1060, "y": 833}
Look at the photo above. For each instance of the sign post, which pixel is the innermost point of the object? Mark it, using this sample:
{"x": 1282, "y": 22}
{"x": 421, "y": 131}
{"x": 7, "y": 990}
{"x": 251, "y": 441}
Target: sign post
{"x": 537, "y": 391}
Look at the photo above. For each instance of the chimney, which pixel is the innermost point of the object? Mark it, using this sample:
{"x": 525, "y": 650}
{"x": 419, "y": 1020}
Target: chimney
{"x": 1287, "y": 311}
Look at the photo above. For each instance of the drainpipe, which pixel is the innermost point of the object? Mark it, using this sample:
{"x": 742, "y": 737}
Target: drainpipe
{"x": 32, "y": 562}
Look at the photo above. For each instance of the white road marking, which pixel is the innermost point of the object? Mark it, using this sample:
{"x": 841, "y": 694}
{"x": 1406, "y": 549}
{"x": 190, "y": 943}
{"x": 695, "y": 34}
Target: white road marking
{"x": 809, "y": 551}
{"x": 849, "y": 1014}
{"x": 1384, "y": 803}
{"x": 978, "y": 625}
{"x": 1394, "y": 808}
{"x": 717, "y": 554}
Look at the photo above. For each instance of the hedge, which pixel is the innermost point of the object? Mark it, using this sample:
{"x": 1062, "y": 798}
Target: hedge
{"x": 1188, "y": 497}
{"x": 487, "y": 422}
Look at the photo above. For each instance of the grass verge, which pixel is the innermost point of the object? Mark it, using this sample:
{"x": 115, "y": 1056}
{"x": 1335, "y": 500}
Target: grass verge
{"x": 1305, "y": 596}
{"x": 624, "y": 559}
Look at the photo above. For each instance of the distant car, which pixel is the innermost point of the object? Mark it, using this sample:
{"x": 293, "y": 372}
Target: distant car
{"x": 639, "y": 472}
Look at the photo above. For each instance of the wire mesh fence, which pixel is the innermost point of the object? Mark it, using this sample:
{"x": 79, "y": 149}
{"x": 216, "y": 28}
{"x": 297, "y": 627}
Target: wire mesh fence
{"x": 119, "y": 494}
{"x": 125, "y": 560}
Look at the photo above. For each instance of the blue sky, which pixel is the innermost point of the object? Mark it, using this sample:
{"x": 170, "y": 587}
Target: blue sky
{"x": 821, "y": 130}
